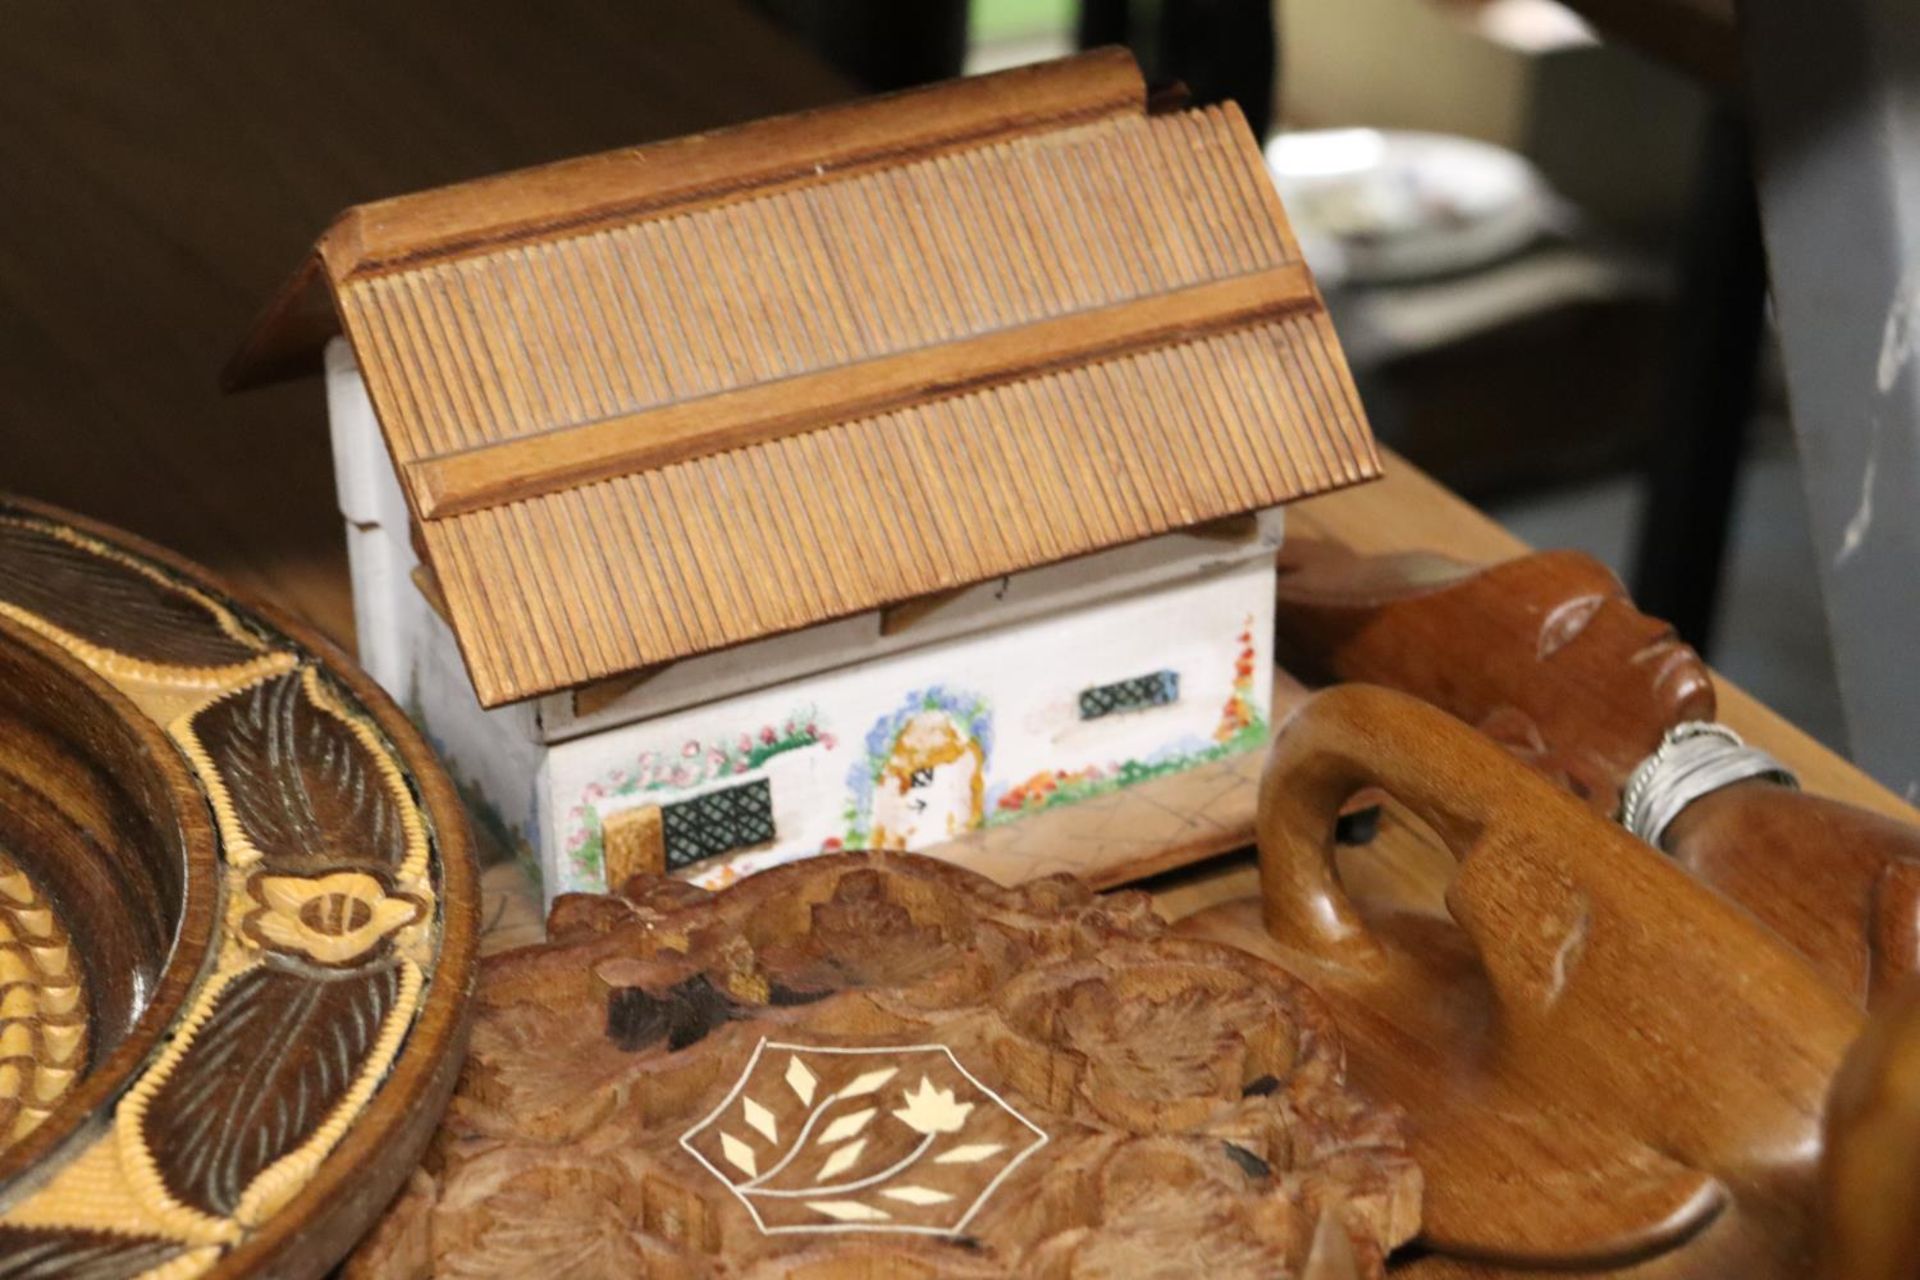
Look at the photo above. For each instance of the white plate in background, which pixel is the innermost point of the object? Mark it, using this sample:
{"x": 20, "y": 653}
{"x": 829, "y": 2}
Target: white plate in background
{"x": 1377, "y": 205}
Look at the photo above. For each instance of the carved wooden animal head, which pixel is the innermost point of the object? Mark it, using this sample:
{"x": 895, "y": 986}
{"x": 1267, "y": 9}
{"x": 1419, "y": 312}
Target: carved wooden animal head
{"x": 1546, "y": 654}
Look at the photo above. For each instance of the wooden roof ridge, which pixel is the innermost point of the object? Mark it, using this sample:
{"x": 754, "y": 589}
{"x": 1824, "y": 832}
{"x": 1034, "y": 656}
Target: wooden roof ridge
{"x": 677, "y": 175}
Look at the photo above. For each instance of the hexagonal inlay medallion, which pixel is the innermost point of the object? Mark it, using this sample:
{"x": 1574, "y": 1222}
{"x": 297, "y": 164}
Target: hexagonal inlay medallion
{"x": 861, "y": 1139}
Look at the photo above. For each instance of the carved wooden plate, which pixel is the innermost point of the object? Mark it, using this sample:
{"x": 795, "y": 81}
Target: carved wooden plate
{"x": 881, "y": 1065}
{"x": 238, "y": 918}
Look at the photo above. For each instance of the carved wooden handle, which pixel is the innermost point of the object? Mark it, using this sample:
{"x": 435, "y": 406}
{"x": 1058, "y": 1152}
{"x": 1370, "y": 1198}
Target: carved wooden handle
{"x": 1353, "y": 737}
{"x": 1594, "y": 946}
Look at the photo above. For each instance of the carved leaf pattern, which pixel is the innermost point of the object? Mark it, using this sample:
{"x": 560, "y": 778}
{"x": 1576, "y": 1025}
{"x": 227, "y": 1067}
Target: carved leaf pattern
{"x": 108, "y": 603}
{"x": 916, "y": 1195}
{"x": 71, "y": 1254}
{"x": 305, "y": 789}
{"x": 279, "y": 1050}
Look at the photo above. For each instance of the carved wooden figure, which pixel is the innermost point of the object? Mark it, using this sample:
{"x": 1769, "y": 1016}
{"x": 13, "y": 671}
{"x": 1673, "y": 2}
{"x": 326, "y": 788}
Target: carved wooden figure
{"x": 1605, "y": 1064}
{"x": 1547, "y": 655}
{"x": 881, "y": 1065}
{"x": 237, "y": 924}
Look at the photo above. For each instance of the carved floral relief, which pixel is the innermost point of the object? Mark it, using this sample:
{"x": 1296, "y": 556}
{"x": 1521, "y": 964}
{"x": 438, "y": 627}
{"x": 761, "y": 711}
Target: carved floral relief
{"x": 881, "y": 1064}
{"x": 324, "y": 953}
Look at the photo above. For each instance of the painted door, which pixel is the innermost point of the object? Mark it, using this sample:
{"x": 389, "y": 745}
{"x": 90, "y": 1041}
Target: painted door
{"x": 933, "y": 786}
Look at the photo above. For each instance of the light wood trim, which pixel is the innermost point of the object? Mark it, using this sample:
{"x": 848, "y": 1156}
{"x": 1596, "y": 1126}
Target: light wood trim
{"x": 540, "y": 464}
{"x": 601, "y": 694}
{"x": 826, "y": 143}
{"x": 634, "y": 842}
{"x": 896, "y": 618}
{"x": 427, "y": 583}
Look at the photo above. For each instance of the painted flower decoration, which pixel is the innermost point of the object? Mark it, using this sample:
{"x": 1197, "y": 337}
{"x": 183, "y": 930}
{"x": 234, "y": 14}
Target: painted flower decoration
{"x": 332, "y": 919}
{"x": 931, "y": 1110}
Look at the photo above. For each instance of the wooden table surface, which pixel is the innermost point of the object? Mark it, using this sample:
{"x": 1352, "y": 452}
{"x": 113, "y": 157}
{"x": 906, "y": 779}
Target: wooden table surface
{"x": 168, "y": 164}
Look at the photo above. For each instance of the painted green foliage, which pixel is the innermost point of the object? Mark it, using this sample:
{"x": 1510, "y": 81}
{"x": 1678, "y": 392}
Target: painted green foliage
{"x": 1242, "y": 727}
{"x": 695, "y": 764}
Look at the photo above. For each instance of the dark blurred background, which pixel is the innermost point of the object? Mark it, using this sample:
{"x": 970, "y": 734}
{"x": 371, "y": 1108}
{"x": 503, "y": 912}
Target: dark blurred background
{"x": 1536, "y": 234}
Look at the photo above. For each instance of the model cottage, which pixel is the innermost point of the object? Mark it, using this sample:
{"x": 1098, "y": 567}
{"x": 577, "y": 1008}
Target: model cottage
{"x": 850, "y": 479}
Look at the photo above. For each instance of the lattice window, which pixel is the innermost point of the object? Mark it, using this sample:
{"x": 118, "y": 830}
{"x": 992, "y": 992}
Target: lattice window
{"x": 1156, "y": 690}
{"x": 716, "y": 823}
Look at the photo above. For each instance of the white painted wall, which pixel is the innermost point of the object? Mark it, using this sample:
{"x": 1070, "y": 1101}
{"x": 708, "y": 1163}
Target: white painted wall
{"x": 1024, "y": 681}
{"x": 379, "y": 553}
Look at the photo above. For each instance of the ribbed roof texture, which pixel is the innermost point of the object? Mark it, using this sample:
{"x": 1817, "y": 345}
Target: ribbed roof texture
{"x": 650, "y": 438}
{"x": 500, "y": 345}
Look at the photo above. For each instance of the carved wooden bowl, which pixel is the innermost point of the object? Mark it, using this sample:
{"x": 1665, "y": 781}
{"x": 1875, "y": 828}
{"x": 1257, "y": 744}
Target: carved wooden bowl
{"x": 237, "y": 923}
{"x": 879, "y": 1065}
{"x": 107, "y": 864}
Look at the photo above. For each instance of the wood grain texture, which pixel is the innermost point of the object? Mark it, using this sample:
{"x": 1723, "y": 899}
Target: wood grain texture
{"x": 726, "y": 165}
{"x": 749, "y": 416}
{"x": 1545, "y": 653}
{"x": 741, "y": 545}
{"x": 1871, "y": 1162}
{"x": 651, "y": 1088}
{"x": 296, "y": 971}
{"x": 1580, "y": 686}
{"x": 683, "y": 175}
{"x": 1605, "y": 1065}
{"x": 1408, "y": 512}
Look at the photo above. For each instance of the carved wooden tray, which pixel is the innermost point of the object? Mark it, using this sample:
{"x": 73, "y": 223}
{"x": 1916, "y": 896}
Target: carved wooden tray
{"x": 237, "y": 923}
{"x": 872, "y": 1065}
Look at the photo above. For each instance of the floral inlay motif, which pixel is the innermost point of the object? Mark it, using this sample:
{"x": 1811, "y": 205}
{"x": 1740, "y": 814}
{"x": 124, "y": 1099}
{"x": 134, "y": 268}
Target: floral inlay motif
{"x": 836, "y": 1139}
{"x": 1240, "y": 714}
{"x": 331, "y": 919}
